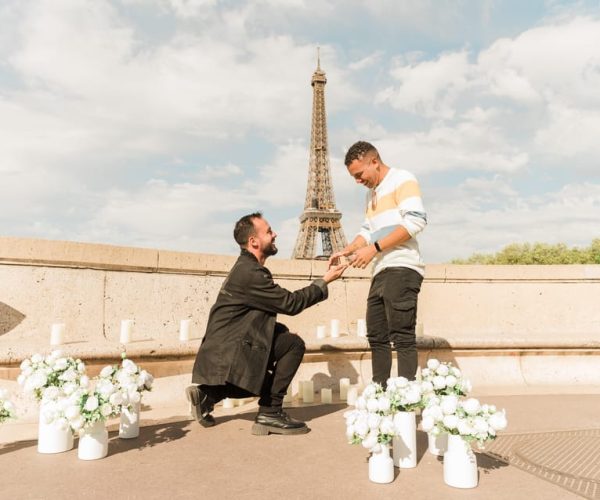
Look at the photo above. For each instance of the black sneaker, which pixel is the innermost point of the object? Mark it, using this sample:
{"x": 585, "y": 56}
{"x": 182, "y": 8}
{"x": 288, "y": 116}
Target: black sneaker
{"x": 201, "y": 407}
{"x": 277, "y": 423}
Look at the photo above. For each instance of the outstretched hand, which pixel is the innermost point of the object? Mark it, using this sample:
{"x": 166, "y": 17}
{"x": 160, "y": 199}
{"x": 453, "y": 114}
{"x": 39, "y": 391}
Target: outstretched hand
{"x": 334, "y": 272}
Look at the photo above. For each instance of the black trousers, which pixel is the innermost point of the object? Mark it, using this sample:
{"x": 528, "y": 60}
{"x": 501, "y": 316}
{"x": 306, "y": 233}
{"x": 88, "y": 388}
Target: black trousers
{"x": 286, "y": 355}
{"x": 391, "y": 318}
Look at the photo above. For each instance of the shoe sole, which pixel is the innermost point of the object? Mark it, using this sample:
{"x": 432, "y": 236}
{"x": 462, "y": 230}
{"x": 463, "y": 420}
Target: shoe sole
{"x": 265, "y": 430}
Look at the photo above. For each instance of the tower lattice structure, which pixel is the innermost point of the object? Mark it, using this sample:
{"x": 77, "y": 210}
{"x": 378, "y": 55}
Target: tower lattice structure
{"x": 320, "y": 215}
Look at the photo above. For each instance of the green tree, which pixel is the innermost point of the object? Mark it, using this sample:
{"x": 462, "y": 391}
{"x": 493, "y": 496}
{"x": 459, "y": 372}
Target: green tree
{"x": 538, "y": 253}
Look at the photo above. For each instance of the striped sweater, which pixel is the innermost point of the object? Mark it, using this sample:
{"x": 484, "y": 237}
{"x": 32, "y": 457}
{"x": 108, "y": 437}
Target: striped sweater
{"x": 397, "y": 202}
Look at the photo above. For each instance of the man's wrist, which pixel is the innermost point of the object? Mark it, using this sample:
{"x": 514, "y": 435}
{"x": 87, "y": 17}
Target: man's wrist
{"x": 377, "y": 246}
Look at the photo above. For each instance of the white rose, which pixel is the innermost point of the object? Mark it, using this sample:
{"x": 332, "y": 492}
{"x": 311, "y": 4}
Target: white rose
{"x": 464, "y": 428}
{"x": 450, "y": 421}
{"x": 361, "y": 427}
{"x": 60, "y": 364}
{"x": 106, "y": 409}
{"x": 466, "y": 386}
{"x": 451, "y": 381}
{"x": 401, "y": 382}
{"x": 370, "y": 441}
{"x": 68, "y": 376}
{"x": 433, "y": 364}
{"x": 106, "y": 371}
{"x": 442, "y": 370}
{"x": 69, "y": 388}
{"x": 84, "y": 381}
{"x": 449, "y": 404}
{"x": 134, "y": 397}
{"x": 456, "y": 372}
{"x": 387, "y": 425}
{"x": 497, "y": 421}
{"x": 54, "y": 355}
{"x": 384, "y": 404}
{"x": 471, "y": 406}
{"x": 106, "y": 388}
{"x": 26, "y": 363}
{"x": 426, "y": 387}
{"x": 361, "y": 403}
{"x": 146, "y": 379}
{"x": 439, "y": 382}
{"x": 373, "y": 420}
{"x": 425, "y": 373}
{"x": 370, "y": 391}
{"x": 38, "y": 380}
{"x": 350, "y": 431}
{"x": 50, "y": 393}
{"x": 372, "y": 405}
{"x": 412, "y": 396}
{"x": 91, "y": 404}
{"x": 80, "y": 366}
{"x": 129, "y": 366}
{"x": 116, "y": 399}
{"x": 427, "y": 423}
{"x": 480, "y": 425}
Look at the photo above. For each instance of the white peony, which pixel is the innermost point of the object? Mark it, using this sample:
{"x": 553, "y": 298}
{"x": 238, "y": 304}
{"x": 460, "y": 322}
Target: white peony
{"x": 451, "y": 381}
{"x": 60, "y": 364}
{"x": 387, "y": 425}
{"x": 68, "y": 376}
{"x": 361, "y": 403}
{"x": 449, "y": 404}
{"x": 439, "y": 382}
{"x": 480, "y": 425}
{"x": 384, "y": 404}
{"x": 442, "y": 370}
{"x": 370, "y": 441}
{"x": 116, "y": 399}
{"x": 84, "y": 381}
{"x": 456, "y": 372}
{"x": 361, "y": 427}
{"x": 372, "y": 405}
{"x": 373, "y": 420}
{"x": 450, "y": 421}
{"x": 427, "y": 423}
{"x": 129, "y": 366}
{"x": 106, "y": 409}
{"x": 51, "y": 393}
{"x": 91, "y": 404}
{"x": 26, "y": 363}
{"x": 426, "y": 387}
{"x": 106, "y": 371}
{"x": 433, "y": 364}
{"x": 464, "y": 427}
{"x": 471, "y": 406}
{"x": 497, "y": 421}
{"x": 370, "y": 391}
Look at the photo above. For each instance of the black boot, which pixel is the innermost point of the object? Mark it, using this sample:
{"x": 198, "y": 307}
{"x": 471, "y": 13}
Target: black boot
{"x": 201, "y": 406}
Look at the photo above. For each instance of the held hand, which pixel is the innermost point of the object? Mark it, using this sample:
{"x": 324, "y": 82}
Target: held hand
{"x": 363, "y": 256}
{"x": 334, "y": 272}
{"x": 336, "y": 258}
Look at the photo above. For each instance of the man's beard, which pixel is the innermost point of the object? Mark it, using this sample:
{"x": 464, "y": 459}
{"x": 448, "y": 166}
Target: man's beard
{"x": 271, "y": 250}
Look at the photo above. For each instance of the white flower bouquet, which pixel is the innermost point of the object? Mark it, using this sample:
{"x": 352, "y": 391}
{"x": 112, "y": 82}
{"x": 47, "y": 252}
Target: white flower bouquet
{"x": 90, "y": 405}
{"x": 129, "y": 380}
{"x": 467, "y": 418}
{"x": 7, "y": 408}
{"x": 371, "y": 422}
{"x": 441, "y": 379}
{"x": 60, "y": 374}
{"x": 404, "y": 395}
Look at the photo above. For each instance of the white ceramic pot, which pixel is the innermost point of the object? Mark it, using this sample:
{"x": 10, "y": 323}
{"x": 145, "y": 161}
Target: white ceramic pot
{"x": 52, "y": 438}
{"x": 381, "y": 466}
{"x": 129, "y": 425}
{"x": 460, "y": 464}
{"x": 405, "y": 440}
{"x": 93, "y": 442}
{"x": 437, "y": 445}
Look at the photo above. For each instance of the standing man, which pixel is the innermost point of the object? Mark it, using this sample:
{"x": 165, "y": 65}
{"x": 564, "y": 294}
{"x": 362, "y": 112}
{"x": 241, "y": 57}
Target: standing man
{"x": 245, "y": 352}
{"x": 394, "y": 216}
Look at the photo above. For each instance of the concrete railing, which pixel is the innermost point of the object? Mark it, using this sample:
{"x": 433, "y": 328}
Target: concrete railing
{"x": 482, "y": 312}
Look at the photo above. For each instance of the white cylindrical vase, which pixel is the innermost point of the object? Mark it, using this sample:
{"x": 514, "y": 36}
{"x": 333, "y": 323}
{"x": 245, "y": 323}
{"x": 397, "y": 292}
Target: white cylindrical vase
{"x": 52, "y": 438}
{"x": 405, "y": 440}
{"x": 381, "y": 466}
{"x": 460, "y": 464}
{"x": 437, "y": 445}
{"x": 93, "y": 442}
{"x": 129, "y": 425}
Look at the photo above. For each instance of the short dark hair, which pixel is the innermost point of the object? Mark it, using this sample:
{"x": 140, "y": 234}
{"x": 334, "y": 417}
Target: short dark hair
{"x": 358, "y": 150}
{"x": 244, "y": 228}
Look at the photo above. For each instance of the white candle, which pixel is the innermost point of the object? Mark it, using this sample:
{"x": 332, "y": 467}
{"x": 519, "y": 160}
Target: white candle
{"x": 326, "y": 396}
{"x": 308, "y": 391}
{"x": 300, "y": 390}
{"x": 228, "y": 403}
{"x": 335, "y": 327}
{"x": 352, "y": 395}
{"x": 321, "y": 332}
{"x": 344, "y": 385}
{"x": 288, "y": 398}
{"x": 57, "y": 334}
{"x": 184, "y": 330}
{"x": 361, "y": 327}
{"x": 126, "y": 331}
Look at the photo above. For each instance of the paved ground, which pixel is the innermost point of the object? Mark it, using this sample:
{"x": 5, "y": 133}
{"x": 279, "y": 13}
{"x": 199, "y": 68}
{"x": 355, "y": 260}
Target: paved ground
{"x": 176, "y": 458}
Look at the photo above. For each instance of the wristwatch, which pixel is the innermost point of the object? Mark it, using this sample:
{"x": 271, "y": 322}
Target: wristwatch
{"x": 377, "y": 247}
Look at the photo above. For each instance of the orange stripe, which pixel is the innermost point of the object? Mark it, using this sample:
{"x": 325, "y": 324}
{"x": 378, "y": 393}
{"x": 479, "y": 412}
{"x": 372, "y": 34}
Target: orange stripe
{"x": 390, "y": 201}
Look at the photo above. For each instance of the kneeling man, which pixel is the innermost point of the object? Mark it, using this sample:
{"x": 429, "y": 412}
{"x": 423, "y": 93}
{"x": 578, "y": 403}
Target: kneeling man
{"x": 245, "y": 352}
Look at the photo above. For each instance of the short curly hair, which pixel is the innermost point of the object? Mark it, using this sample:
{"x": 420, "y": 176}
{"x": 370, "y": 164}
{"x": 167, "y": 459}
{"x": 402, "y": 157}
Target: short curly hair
{"x": 358, "y": 150}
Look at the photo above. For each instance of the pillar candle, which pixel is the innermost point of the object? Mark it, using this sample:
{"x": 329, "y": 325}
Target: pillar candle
{"x": 184, "y": 330}
{"x": 344, "y": 385}
{"x": 335, "y": 327}
{"x": 361, "y": 327}
{"x": 321, "y": 332}
{"x": 228, "y": 403}
{"x": 300, "y": 390}
{"x": 288, "y": 398}
{"x": 352, "y": 395}
{"x": 308, "y": 391}
{"x": 326, "y": 396}
{"x": 57, "y": 334}
{"x": 126, "y": 331}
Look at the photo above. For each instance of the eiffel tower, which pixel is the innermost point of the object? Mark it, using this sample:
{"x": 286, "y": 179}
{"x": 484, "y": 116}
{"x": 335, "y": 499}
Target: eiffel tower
{"x": 320, "y": 215}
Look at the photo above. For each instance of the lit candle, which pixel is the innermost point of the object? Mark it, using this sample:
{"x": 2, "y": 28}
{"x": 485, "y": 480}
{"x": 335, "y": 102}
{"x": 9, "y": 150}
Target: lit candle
{"x": 228, "y": 403}
{"x": 308, "y": 391}
{"x": 57, "y": 334}
{"x": 321, "y": 332}
{"x": 335, "y": 327}
{"x": 344, "y": 385}
{"x": 326, "y": 396}
{"x": 361, "y": 327}
{"x": 184, "y": 330}
{"x": 126, "y": 331}
{"x": 352, "y": 395}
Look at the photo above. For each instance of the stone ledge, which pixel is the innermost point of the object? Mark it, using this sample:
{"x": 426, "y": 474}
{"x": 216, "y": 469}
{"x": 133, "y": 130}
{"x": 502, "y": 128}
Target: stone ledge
{"x": 150, "y": 349}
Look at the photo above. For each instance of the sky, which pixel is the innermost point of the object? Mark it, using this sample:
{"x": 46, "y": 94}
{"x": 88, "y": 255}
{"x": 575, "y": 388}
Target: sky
{"x": 158, "y": 123}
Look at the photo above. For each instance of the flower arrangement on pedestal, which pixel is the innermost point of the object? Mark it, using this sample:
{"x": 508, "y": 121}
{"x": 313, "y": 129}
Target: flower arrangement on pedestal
{"x": 39, "y": 373}
{"x": 466, "y": 418}
{"x": 7, "y": 408}
{"x": 441, "y": 379}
